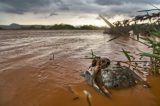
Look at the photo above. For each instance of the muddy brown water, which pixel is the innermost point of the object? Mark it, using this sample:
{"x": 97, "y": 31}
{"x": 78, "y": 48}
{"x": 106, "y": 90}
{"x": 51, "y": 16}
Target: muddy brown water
{"x": 29, "y": 76}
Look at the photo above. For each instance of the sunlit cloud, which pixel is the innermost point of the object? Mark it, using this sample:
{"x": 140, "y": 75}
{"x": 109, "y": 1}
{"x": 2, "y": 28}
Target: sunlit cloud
{"x": 74, "y": 12}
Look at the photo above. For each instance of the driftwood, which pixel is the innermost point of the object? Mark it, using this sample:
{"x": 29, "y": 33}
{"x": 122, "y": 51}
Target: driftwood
{"x": 77, "y": 96}
{"x": 75, "y": 93}
{"x": 88, "y": 97}
{"x": 98, "y": 64}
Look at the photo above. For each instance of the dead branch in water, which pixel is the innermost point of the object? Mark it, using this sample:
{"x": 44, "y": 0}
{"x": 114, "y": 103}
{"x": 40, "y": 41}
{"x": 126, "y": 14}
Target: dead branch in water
{"x": 52, "y": 56}
{"x": 99, "y": 63}
{"x": 74, "y": 93}
{"x": 88, "y": 97}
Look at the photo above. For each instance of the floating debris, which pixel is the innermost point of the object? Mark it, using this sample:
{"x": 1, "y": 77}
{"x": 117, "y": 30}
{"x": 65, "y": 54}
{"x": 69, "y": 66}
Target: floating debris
{"x": 52, "y": 56}
{"x": 88, "y": 97}
{"x": 103, "y": 76}
{"x": 75, "y": 93}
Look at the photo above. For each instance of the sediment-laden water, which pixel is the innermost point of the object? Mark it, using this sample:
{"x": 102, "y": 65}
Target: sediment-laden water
{"x": 30, "y": 77}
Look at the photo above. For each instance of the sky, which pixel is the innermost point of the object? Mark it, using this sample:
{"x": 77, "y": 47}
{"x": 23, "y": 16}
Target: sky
{"x": 75, "y": 12}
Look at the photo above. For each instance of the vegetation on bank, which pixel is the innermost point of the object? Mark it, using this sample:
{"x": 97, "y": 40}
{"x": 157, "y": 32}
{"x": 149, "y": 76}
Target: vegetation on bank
{"x": 51, "y": 27}
{"x": 153, "y": 43}
{"x": 146, "y": 28}
{"x": 141, "y": 24}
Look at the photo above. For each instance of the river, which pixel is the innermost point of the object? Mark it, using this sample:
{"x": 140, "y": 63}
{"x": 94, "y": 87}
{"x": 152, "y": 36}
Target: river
{"x": 40, "y": 67}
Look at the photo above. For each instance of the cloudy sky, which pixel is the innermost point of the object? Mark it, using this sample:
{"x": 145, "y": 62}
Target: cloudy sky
{"x": 75, "y": 12}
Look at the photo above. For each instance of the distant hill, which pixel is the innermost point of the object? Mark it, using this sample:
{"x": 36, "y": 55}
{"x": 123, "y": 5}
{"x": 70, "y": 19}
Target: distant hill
{"x": 11, "y": 26}
{"x": 15, "y": 26}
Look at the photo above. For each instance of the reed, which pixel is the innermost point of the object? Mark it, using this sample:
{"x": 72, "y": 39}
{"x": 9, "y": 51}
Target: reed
{"x": 154, "y": 41}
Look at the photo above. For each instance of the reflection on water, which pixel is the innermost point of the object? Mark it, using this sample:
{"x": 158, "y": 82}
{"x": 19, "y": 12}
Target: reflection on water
{"x": 28, "y": 77}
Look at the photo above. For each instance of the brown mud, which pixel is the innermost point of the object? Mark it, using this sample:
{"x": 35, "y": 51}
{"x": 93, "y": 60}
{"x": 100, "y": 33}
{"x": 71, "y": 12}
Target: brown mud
{"x": 29, "y": 76}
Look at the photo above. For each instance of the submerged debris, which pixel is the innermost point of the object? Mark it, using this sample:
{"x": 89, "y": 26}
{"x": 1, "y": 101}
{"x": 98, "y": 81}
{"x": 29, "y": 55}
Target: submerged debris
{"x": 88, "y": 97}
{"x": 116, "y": 76}
{"x": 103, "y": 75}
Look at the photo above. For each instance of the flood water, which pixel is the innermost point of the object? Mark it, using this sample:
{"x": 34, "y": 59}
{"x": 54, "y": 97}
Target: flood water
{"x": 30, "y": 77}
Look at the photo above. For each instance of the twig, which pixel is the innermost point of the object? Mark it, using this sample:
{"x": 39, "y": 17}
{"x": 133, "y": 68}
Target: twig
{"x": 87, "y": 58}
{"x": 138, "y": 76}
{"x": 113, "y": 38}
{"x": 93, "y": 55}
{"x": 88, "y": 97}
{"x": 134, "y": 66}
{"x": 140, "y": 42}
{"x": 74, "y": 92}
{"x": 154, "y": 6}
{"x": 129, "y": 61}
{"x": 52, "y": 56}
{"x": 117, "y": 60}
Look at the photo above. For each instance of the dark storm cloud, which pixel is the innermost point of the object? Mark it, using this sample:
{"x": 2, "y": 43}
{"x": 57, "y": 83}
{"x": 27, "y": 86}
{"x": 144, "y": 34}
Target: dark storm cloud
{"x": 53, "y": 7}
{"x": 53, "y": 14}
{"x": 119, "y": 2}
{"x": 126, "y": 7}
{"x": 21, "y": 6}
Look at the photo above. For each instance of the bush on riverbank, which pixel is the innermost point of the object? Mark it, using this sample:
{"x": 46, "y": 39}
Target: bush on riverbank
{"x": 51, "y": 27}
